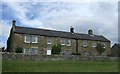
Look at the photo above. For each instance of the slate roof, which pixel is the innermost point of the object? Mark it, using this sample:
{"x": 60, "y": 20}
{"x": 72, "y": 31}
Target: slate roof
{"x": 116, "y": 45}
{"x": 53, "y": 33}
{"x": 115, "y": 50}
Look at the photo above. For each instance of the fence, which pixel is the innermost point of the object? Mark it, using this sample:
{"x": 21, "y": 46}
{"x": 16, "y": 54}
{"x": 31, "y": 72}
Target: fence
{"x": 22, "y": 57}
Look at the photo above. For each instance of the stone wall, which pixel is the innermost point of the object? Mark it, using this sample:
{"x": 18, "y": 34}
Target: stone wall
{"x": 43, "y": 46}
{"x": 42, "y": 43}
{"x": 22, "y": 57}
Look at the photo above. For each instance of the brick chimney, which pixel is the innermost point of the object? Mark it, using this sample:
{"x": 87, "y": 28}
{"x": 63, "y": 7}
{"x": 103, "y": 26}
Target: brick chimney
{"x": 90, "y": 32}
{"x": 72, "y": 30}
{"x": 13, "y": 23}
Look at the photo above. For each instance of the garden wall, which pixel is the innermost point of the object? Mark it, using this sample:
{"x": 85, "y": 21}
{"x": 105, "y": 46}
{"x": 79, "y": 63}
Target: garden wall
{"x": 22, "y": 57}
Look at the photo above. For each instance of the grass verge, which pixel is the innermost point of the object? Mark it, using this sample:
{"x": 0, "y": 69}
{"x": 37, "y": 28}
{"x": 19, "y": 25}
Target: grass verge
{"x": 58, "y": 66}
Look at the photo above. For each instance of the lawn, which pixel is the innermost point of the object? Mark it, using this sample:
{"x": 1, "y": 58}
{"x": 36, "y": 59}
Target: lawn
{"x": 58, "y": 66}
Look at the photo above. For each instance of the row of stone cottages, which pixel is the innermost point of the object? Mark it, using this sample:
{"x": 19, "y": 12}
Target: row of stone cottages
{"x": 40, "y": 41}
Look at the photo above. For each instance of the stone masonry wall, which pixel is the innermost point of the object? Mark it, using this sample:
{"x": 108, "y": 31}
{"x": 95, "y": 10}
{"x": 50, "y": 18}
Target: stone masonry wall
{"x": 43, "y": 46}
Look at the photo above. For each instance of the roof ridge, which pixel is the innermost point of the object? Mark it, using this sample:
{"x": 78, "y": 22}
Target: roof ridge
{"x": 48, "y": 32}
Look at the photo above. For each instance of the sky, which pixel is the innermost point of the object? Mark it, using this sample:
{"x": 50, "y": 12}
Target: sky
{"x": 101, "y": 17}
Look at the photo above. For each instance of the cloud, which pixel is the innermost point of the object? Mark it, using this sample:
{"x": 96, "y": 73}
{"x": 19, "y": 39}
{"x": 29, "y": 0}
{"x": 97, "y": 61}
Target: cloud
{"x": 5, "y": 27}
{"x": 60, "y": 0}
{"x": 4, "y": 31}
{"x": 99, "y": 16}
{"x": 19, "y": 12}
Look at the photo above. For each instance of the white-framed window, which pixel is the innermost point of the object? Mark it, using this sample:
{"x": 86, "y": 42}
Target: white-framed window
{"x": 29, "y": 51}
{"x": 49, "y": 40}
{"x": 30, "y": 39}
{"x": 34, "y": 50}
{"x": 85, "y": 43}
{"x": 95, "y": 53}
{"x": 27, "y": 39}
{"x": 68, "y": 42}
{"x": 94, "y": 44}
{"x": 85, "y": 53}
{"x": 48, "y": 52}
{"x": 34, "y": 39}
{"x": 26, "y": 51}
{"x": 62, "y": 41}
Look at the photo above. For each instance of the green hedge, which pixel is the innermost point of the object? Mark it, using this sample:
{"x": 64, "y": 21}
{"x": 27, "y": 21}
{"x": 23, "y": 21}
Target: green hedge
{"x": 56, "y": 49}
{"x": 19, "y": 49}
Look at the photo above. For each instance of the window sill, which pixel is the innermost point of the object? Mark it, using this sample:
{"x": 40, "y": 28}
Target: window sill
{"x": 29, "y": 43}
{"x": 49, "y": 43}
{"x": 84, "y": 45}
{"x": 68, "y": 44}
{"x": 34, "y": 42}
{"x": 26, "y": 42}
{"x": 103, "y": 47}
{"x": 62, "y": 44}
{"x": 94, "y": 46}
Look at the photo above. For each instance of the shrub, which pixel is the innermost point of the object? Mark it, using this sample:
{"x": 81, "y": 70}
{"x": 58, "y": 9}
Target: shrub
{"x": 56, "y": 49}
{"x": 19, "y": 49}
{"x": 100, "y": 48}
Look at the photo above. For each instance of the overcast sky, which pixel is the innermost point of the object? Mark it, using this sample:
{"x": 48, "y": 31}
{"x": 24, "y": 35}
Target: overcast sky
{"x": 101, "y": 17}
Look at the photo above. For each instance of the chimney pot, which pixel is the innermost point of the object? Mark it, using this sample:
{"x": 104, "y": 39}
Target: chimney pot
{"x": 72, "y": 30}
{"x": 90, "y": 32}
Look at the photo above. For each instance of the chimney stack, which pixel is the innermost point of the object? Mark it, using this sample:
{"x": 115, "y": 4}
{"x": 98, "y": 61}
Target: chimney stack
{"x": 90, "y": 32}
{"x": 72, "y": 30}
{"x": 13, "y": 23}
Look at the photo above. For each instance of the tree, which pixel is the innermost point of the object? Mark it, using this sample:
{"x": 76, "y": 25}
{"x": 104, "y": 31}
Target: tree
{"x": 19, "y": 49}
{"x": 100, "y": 48}
{"x": 56, "y": 49}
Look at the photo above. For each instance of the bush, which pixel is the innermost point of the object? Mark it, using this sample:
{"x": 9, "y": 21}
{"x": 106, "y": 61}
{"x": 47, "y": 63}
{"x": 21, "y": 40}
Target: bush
{"x": 19, "y": 49}
{"x": 100, "y": 48}
{"x": 56, "y": 49}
